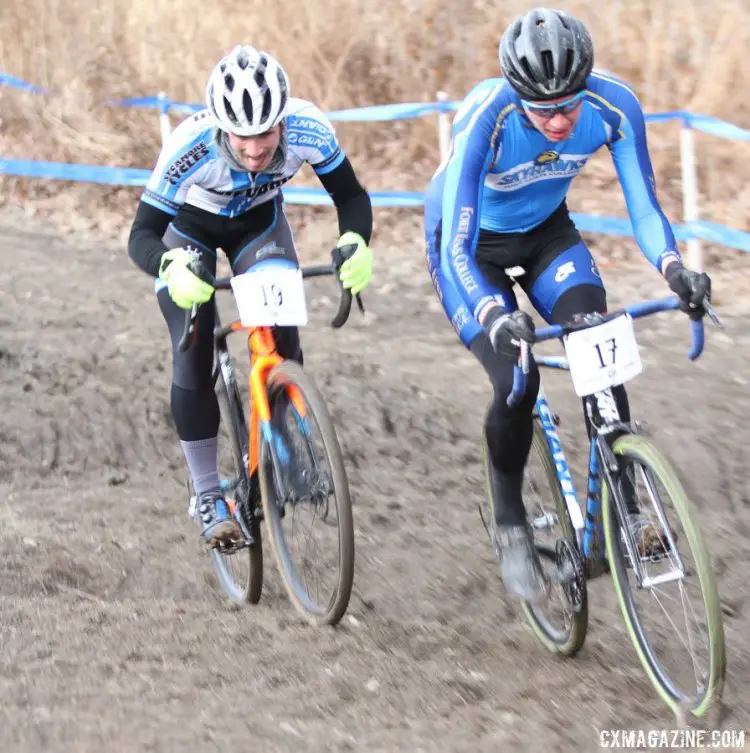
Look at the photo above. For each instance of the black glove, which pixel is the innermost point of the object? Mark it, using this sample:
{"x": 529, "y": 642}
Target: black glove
{"x": 507, "y": 330}
{"x": 691, "y": 288}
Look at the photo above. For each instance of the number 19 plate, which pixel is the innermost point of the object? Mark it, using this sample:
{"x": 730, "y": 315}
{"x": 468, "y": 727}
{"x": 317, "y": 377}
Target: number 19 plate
{"x": 603, "y": 356}
{"x": 270, "y": 295}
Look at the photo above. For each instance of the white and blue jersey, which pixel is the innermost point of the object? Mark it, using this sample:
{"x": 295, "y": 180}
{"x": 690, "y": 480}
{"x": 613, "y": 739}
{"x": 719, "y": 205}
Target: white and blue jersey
{"x": 191, "y": 169}
{"x": 505, "y": 176}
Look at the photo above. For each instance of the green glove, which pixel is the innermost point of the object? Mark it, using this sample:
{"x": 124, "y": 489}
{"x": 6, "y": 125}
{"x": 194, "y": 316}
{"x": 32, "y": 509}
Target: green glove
{"x": 185, "y": 288}
{"x": 356, "y": 271}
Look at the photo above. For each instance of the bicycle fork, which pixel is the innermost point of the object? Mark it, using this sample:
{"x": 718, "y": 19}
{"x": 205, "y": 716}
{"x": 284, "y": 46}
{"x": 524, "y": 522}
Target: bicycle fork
{"x": 612, "y": 472}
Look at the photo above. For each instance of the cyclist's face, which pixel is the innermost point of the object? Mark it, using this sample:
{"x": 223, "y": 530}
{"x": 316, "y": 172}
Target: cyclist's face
{"x": 256, "y": 152}
{"x": 560, "y": 125}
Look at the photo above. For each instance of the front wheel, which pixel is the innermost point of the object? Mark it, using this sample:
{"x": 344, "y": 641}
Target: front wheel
{"x": 305, "y": 493}
{"x": 667, "y": 590}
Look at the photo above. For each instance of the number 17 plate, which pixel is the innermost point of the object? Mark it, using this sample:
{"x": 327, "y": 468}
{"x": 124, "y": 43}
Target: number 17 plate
{"x": 603, "y": 356}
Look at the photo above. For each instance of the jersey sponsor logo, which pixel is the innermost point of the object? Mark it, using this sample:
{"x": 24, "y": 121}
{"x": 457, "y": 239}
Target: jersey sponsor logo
{"x": 308, "y": 139}
{"x": 564, "y": 271}
{"x": 270, "y": 249}
{"x": 159, "y": 199}
{"x": 191, "y": 158}
{"x": 460, "y": 258}
{"x": 308, "y": 124}
{"x": 202, "y": 115}
{"x": 532, "y": 173}
{"x": 460, "y": 318}
{"x": 545, "y": 157}
{"x": 252, "y": 191}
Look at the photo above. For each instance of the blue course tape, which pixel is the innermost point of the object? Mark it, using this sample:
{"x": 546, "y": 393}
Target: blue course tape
{"x": 705, "y": 123}
{"x": 128, "y": 176}
{"x": 404, "y": 111}
{"x": 118, "y": 176}
{"x": 392, "y": 112}
{"x": 7, "y": 80}
{"x": 156, "y": 103}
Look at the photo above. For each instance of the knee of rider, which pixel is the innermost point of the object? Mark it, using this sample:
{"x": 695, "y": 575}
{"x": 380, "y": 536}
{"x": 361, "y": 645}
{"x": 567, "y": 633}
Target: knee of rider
{"x": 504, "y": 434}
{"x": 192, "y": 374}
{"x": 502, "y": 420}
{"x": 195, "y": 413}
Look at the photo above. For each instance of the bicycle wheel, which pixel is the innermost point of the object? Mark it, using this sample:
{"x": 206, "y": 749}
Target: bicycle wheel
{"x": 240, "y": 569}
{"x": 560, "y": 622}
{"x": 307, "y": 492}
{"x": 695, "y": 684}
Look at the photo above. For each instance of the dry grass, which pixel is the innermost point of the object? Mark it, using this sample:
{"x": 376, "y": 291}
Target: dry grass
{"x": 679, "y": 54}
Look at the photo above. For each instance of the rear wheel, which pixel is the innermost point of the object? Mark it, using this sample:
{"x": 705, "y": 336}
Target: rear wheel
{"x": 305, "y": 492}
{"x": 239, "y": 569}
{"x": 561, "y": 621}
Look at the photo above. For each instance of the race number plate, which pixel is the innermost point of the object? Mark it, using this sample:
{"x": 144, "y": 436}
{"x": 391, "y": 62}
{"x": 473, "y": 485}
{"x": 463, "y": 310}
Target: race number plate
{"x": 603, "y": 356}
{"x": 270, "y": 295}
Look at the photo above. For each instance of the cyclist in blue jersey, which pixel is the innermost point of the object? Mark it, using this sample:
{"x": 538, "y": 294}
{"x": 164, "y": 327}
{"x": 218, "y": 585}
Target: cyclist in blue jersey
{"x": 217, "y": 184}
{"x": 498, "y": 201}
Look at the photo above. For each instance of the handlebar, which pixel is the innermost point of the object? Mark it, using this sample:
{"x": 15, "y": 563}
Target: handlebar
{"x": 338, "y": 256}
{"x": 636, "y": 311}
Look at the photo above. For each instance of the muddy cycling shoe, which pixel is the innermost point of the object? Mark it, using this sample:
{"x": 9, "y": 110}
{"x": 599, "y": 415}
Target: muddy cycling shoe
{"x": 650, "y": 538}
{"x": 219, "y": 527}
{"x": 520, "y": 568}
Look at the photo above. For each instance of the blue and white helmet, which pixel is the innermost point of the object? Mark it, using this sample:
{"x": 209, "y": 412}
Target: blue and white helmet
{"x": 247, "y": 92}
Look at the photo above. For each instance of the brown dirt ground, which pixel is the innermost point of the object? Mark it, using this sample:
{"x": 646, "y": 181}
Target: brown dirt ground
{"x": 112, "y": 635}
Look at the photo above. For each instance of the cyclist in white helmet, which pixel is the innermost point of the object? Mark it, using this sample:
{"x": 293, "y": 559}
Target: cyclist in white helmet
{"x": 217, "y": 184}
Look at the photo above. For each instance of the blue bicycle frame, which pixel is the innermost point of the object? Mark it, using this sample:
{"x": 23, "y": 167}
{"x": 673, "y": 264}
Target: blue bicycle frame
{"x": 589, "y": 532}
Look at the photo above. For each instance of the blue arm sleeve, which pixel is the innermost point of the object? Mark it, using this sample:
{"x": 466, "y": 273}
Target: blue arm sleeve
{"x": 471, "y": 155}
{"x": 652, "y": 230}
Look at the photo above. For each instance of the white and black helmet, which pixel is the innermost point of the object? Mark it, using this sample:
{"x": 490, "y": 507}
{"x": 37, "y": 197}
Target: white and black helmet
{"x": 247, "y": 92}
{"x": 546, "y": 54}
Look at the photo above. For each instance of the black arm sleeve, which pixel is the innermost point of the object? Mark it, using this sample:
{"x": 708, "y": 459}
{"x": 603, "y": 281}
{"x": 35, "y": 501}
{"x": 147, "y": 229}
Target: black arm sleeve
{"x": 350, "y": 198}
{"x": 145, "y": 245}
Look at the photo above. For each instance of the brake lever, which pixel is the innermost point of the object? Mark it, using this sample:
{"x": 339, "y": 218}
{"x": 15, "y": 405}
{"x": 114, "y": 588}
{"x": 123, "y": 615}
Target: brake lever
{"x": 712, "y": 315}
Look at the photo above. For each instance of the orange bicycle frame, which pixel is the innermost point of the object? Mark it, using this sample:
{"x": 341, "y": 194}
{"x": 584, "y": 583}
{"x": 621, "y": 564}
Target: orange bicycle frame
{"x": 263, "y": 358}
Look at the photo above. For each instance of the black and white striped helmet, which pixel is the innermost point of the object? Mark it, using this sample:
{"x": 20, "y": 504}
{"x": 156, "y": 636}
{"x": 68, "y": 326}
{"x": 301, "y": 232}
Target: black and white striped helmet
{"x": 247, "y": 92}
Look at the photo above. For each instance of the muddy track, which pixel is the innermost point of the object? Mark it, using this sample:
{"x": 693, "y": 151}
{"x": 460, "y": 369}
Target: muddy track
{"x": 112, "y": 634}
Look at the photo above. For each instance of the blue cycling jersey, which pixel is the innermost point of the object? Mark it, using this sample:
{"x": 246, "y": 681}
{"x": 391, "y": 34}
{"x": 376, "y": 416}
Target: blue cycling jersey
{"x": 503, "y": 175}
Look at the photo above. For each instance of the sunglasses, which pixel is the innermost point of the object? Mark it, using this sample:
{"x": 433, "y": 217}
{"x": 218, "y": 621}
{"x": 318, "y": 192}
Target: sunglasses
{"x": 549, "y": 111}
